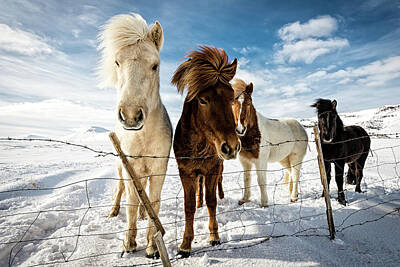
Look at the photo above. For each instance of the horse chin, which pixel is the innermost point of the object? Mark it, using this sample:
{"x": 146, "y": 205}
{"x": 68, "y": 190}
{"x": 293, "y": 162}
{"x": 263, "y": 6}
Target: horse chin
{"x": 327, "y": 141}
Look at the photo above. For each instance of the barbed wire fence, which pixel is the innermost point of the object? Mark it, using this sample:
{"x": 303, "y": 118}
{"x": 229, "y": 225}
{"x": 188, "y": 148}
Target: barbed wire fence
{"x": 239, "y": 228}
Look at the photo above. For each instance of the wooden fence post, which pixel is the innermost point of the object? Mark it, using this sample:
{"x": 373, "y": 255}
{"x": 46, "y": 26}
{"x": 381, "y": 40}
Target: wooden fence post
{"x": 145, "y": 201}
{"x": 324, "y": 182}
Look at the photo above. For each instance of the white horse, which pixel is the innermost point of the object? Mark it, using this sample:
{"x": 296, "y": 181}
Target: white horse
{"x": 131, "y": 63}
{"x": 267, "y": 140}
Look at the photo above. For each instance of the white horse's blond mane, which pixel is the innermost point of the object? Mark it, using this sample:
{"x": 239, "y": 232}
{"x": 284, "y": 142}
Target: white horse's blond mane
{"x": 119, "y": 32}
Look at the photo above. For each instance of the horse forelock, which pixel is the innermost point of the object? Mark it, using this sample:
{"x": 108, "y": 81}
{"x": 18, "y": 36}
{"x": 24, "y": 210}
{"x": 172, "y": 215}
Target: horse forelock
{"x": 119, "y": 32}
{"x": 204, "y": 69}
{"x": 323, "y": 105}
{"x": 239, "y": 86}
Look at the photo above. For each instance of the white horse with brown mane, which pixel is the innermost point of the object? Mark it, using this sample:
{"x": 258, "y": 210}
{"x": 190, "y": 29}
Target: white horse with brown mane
{"x": 267, "y": 140}
{"x": 131, "y": 63}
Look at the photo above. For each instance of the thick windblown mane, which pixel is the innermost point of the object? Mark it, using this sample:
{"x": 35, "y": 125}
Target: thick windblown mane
{"x": 120, "y": 31}
{"x": 322, "y": 105}
{"x": 203, "y": 69}
{"x": 239, "y": 86}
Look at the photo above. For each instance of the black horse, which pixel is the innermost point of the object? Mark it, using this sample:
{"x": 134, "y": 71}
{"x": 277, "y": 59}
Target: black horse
{"x": 341, "y": 144}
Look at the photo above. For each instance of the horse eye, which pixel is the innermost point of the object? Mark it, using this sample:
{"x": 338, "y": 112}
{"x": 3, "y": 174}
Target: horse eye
{"x": 155, "y": 66}
{"x": 202, "y": 101}
{"x": 116, "y": 63}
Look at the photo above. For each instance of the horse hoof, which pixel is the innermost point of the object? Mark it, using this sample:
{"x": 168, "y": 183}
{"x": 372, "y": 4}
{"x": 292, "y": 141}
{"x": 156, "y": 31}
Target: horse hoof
{"x": 342, "y": 201}
{"x": 113, "y": 213}
{"x": 154, "y": 256}
{"x": 215, "y": 243}
{"x": 241, "y": 202}
{"x": 130, "y": 251}
{"x": 358, "y": 190}
{"x": 183, "y": 254}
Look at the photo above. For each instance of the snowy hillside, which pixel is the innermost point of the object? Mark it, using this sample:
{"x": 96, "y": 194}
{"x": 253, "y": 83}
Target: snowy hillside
{"x": 46, "y": 189}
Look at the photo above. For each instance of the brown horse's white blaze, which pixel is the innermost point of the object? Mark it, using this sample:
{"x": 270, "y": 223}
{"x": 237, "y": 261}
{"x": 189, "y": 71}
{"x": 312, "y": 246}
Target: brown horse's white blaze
{"x": 130, "y": 62}
{"x": 240, "y": 128}
{"x": 205, "y": 133}
{"x": 257, "y": 135}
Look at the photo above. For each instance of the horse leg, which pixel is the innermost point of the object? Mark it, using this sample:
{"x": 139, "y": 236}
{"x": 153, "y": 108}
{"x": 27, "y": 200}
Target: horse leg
{"x": 131, "y": 214}
{"x": 142, "y": 209}
{"x": 261, "y": 166}
{"x": 351, "y": 174}
{"x": 156, "y": 184}
{"x": 360, "y": 171}
{"x": 199, "y": 191}
{"x": 339, "y": 170}
{"x": 211, "y": 201}
{"x": 221, "y": 193}
{"x": 189, "y": 188}
{"x": 295, "y": 162}
{"x": 286, "y": 165}
{"x": 246, "y": 180}
{"x": 120, "y": 190}
{"x": 328, "y": 174}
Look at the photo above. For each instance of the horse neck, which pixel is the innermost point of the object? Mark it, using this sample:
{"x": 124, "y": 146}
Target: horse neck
{"x": 339, "y": 128}
{"x": 189, "y": 121}
{"x": 252, "y": 118}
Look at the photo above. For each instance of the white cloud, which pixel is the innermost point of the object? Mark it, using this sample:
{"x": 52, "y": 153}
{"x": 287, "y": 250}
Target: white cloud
{"x": 247, "y": 50}
{"x": 292, "y": 90}
{"x": 322, "y": 26}
{"x": 285, "y": 69}
{"x": 317, "y": 75}
{"x": 261, "y": 78}
{"x": 373, "y": 74}
{"x": 243, "y": 61}
{"x": 308, "y": 50}
{"x": 304, "y": 43}
{"x": 22, "y": 42}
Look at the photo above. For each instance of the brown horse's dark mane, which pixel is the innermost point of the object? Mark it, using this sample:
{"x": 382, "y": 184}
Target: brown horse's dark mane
{"x": 203, "y": 69}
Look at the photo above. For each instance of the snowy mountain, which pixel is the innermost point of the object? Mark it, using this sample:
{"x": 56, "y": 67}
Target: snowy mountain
{"x": 45, "y": 189}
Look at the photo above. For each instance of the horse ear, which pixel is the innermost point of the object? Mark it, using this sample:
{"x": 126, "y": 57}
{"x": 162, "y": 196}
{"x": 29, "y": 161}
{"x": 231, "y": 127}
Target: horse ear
{"x": 156, "y": 35}
{"x": 234, "y": 65}
{"x": 249, "y": 89}
{"x": 334, "y": 104}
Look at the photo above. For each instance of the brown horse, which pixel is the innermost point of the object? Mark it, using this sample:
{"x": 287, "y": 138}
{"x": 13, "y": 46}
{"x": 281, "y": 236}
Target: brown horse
{"x": 205, "y": 134}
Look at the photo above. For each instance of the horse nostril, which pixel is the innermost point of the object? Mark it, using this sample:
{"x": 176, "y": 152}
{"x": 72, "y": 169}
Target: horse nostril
{"x": 139, "y": 116}
{"x": 121, "y": 115}
{"x": 225, "y": 149}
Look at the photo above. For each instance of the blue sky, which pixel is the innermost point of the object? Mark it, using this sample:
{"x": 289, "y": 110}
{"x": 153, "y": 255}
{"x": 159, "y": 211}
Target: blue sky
{"x": 292, "y": 51}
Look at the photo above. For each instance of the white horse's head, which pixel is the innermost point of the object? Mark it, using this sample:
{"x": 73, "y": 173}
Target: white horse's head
{"x": 131, "y": 62}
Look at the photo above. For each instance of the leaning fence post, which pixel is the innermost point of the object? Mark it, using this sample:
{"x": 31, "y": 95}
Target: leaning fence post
{"x": 145, "y": 201}
{"x": 324, "y": 183}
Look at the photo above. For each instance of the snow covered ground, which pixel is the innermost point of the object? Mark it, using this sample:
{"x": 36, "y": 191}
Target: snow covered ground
{"x": 51, "y": 216}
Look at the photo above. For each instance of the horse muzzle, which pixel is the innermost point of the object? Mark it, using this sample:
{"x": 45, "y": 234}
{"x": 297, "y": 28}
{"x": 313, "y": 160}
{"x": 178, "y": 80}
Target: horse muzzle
{"x": 131, "y": 121}
{"x": 227, "y": 151}
{"x": 241, "y": 131}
